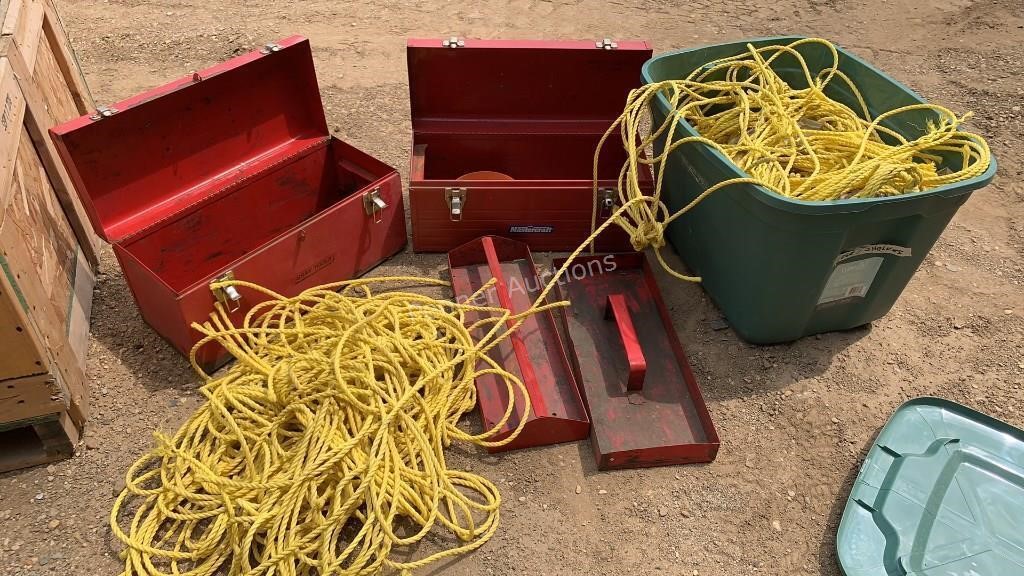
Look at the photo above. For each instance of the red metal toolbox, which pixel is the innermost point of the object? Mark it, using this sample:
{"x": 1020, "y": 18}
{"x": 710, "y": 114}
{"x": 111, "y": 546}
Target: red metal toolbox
{"x": 504, "y": 134}
{"x": 230, "y": 171}
{"x": 645, "y": 406}
{"x": 534, "y": 352}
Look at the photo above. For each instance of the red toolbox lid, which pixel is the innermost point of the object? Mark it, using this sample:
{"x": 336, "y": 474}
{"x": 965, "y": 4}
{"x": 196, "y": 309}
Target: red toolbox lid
{"x": 152, "y": 156}
{"x": 462, "y": 87}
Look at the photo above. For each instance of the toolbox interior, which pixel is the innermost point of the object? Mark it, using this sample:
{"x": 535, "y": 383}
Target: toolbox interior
{"x": 522, "y": 156}
{"x": 201, "y": 242}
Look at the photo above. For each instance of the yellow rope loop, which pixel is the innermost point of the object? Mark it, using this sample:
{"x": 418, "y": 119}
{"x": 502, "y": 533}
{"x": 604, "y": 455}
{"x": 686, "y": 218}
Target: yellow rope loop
{"x": 795, "y": 142}
{"x": 648, "y": 233}
{"x": 321, "y": 449}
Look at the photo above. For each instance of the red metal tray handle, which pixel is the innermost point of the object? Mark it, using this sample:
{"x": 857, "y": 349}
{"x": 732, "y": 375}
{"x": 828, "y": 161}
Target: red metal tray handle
{"x": 529, "y": 376}
{"x": 618, "y": 309}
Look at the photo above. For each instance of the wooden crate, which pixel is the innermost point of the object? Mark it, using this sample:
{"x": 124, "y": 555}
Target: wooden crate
{"x": 47, "y": 247}
{"x": 32, "y": 38}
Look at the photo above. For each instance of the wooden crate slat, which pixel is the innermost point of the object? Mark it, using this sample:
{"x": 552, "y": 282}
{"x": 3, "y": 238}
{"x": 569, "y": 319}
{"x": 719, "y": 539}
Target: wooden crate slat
{"x": 30, "y": 397}
{"x": 33, "y": 39}
{"x": 37, "y": 441}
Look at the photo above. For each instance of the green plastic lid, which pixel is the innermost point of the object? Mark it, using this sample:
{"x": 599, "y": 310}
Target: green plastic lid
{"x": 941, "y": 492}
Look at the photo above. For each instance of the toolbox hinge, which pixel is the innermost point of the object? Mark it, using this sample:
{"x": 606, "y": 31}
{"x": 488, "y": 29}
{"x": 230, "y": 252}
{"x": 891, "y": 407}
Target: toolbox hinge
{"x": 374, "y": 205}
{"x": 456, "y": 199}
{"x": 605, "y": 202}
{"x": 227, "y": 295}
{"x": 453, "y": 42}
{"x": 270, "y": 47}
{"x": 606, "y": 44}
{"x": 103, "y": 112}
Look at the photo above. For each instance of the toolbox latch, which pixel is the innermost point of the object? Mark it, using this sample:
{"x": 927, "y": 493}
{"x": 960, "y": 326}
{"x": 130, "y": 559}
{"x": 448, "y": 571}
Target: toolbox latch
{"x": 374, "y": 205}
{"x": 456, "y": 199}
{"x": 227, "y": 295}
{"x": 606, "y": 44}
{"x": 453, "y": 42}
{"x": 605, "y": 202}
{"x": 103, "y": 112}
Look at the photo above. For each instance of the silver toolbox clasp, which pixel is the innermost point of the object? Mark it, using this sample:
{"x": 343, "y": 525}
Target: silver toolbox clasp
{"x": 374, "y": 205}
{"x": 228, "y": 296}
{"x": 456, "y": 200}
{"x": 605, "y": 202}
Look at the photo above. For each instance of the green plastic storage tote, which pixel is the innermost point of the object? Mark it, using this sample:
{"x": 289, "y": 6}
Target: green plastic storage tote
{"x": 780, "y": 268}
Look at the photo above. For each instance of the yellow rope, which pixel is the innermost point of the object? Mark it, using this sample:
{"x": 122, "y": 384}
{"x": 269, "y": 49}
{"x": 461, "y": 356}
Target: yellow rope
{"x": 321, "y": 450}
{"x": 796, "y": 142}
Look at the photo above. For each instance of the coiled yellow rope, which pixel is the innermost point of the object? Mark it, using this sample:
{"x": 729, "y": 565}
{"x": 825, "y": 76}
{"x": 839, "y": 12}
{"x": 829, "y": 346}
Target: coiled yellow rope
{"x": 796, "y": 142}
{"x": 321, "y": 450}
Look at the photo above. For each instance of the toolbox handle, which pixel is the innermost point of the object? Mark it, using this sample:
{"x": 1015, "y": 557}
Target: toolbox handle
{"x": 619, "y": 310}
{"x": 529, "y": 376}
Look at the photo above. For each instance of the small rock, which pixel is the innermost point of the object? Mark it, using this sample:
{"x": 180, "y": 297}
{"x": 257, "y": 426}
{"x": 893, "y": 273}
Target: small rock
{"x": 696, "y": 573}
{"x": 522, "y": 498}
{"x": 602, "y": 491}
{"x": 40, "y": 496}
{"x": 54, "y": 524}
{"x": 953, "y": 268}
{"x": 718, "y": 324}
{"x": 117, "y": 486}
{"x": 791, "y": 493}
{"x": 686, "y": 513}
{"x": 835, "y": 420}
{"x": 662, "y": 512}
{"x": 776, "y": 526}
{"x": 579, "y": 489}
{"x": 51, "y": 468}
{"x": 92, "y": 444}
{"x": 1008, "y": 311}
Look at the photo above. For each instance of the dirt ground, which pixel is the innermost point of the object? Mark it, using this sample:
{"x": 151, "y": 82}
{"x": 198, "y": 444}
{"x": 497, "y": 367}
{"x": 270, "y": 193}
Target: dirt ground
{"x": 795, "y": 420}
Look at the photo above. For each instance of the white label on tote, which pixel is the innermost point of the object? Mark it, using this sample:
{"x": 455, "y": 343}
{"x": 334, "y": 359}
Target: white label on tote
{"x": 890, "y": 249}
{"x": 851, "y": 280}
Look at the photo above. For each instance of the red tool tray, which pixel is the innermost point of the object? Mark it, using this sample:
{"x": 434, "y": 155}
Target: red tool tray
{"x": 533, "y": 352}
{"x": 504, "y": 134}
{"x": 645, "y": 406}
{"x": 230, "y": 171}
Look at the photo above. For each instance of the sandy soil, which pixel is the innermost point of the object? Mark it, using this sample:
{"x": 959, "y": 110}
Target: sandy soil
{"x": 795, "y": 419}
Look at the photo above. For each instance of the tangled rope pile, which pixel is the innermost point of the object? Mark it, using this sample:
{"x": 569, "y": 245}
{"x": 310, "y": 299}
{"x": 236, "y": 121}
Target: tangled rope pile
{"x": 796, "y": 142}
{"x": 321, "y": 450}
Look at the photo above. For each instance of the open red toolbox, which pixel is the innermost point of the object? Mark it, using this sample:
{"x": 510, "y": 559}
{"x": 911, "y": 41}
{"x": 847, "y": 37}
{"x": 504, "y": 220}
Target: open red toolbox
{"x": 230, "y": 172}
{"x": 645, "y": 406}
{"x": 504, "y": 134}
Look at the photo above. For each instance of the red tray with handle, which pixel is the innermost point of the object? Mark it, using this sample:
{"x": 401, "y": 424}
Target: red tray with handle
{"x": 645, "y": 406}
